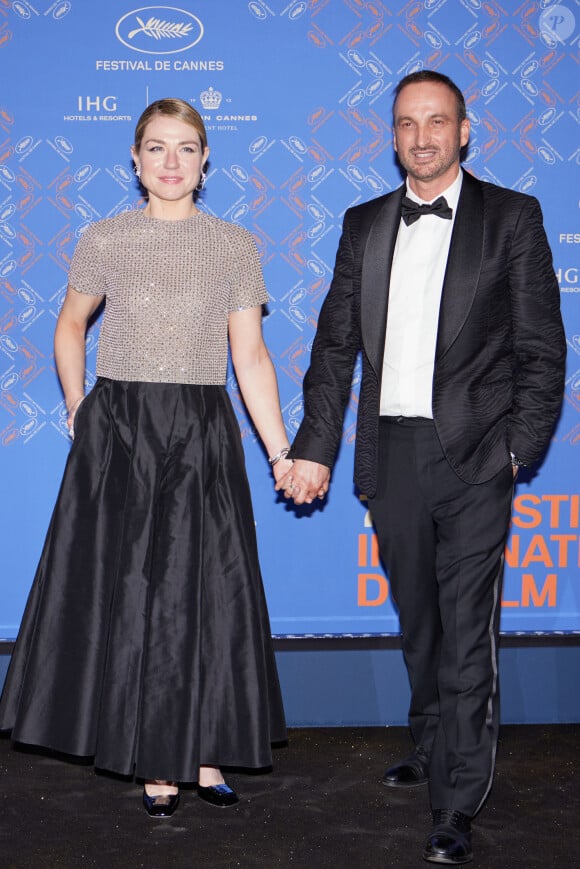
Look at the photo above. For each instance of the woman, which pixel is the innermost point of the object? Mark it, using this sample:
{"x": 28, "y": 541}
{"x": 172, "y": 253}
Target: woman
{"x": 146, "y": 642}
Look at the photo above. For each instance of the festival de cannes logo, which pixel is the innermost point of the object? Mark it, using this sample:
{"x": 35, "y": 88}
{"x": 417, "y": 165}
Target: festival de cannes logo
{"x": 159, "y": 30}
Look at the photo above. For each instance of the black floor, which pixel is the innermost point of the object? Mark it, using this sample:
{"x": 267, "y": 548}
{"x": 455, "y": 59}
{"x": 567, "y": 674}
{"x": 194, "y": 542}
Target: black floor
{"x": 322, "y": 806}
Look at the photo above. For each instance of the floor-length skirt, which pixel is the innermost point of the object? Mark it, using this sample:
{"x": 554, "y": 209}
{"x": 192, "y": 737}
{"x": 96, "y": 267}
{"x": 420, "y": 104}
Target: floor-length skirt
{"x": 146, "y": 641}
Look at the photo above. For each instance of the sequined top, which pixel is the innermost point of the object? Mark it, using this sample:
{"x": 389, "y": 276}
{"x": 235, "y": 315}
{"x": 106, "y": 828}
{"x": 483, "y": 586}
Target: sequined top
{"x": 170, "y": 286}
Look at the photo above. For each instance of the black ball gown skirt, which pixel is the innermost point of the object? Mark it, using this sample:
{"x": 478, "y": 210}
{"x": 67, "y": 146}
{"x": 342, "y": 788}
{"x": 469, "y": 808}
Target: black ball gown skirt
{"x": 146, "y": 641}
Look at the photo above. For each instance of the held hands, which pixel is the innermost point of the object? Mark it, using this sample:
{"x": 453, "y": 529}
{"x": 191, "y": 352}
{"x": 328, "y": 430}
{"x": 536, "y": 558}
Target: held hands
{"x": 304, "y": 481}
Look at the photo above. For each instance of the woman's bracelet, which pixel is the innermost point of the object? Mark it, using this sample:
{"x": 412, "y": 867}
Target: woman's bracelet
{"x": 74, "y": 405}
{"x": 273, "y": 460}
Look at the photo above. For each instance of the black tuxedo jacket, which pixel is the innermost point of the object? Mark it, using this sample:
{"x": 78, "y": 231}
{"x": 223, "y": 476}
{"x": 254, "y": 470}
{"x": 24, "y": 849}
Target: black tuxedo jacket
{"x": 500, "y": 357}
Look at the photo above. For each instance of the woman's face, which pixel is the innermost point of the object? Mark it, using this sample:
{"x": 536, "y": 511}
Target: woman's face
{"x": 170, "y": 158}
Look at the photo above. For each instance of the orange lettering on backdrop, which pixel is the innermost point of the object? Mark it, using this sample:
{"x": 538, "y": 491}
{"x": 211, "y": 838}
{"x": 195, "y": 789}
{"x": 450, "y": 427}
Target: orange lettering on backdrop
{"x": 560, "y": 511}
{"x": 364, "y": 551}
{"x": 521, "y": 509}
{"x": 546, "y": 596}
{"x": 530, "y": 594}
{"x": 563, "y": 540}
{"x": 537, "y": 551}
{"x": 381, "y": 592}
{"x": 512, "y": 553}
{"x": 554, "y": 501}
{"x": 575, "y": 511}
{"x": 375, "y": 557}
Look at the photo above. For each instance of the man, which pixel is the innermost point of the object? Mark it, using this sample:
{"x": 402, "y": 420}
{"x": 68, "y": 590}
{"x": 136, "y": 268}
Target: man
{"x": 446, "y": 286}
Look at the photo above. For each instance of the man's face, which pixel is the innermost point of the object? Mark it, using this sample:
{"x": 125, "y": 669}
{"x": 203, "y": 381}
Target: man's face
{"x": 428, "y": 136}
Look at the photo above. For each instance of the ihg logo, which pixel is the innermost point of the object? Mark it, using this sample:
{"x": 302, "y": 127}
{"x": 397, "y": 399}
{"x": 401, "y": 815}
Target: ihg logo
{"x": 97, "y": 104}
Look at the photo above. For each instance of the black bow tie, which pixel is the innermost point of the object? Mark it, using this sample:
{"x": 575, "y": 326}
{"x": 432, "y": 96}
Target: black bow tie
{"x": 412, "y": 211}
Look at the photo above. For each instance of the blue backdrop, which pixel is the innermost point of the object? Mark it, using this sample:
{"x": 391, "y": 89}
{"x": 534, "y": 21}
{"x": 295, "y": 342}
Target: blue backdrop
{"x": 296, "y": 97}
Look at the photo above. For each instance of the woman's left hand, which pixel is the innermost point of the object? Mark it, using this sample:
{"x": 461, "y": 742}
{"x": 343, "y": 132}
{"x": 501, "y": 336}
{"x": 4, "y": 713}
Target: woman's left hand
{"x": 70, "y": 421}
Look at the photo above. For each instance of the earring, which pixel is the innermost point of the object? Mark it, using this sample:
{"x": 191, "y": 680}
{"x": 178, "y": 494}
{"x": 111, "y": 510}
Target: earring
{"x": 202, "y": 180}
{"x": 137, "y": 171}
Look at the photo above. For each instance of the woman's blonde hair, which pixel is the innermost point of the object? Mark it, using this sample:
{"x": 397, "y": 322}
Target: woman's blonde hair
{"x": 172, "y": 107}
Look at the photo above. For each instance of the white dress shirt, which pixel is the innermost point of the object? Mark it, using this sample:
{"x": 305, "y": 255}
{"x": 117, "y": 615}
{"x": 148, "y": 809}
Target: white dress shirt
{"x": 417, "y": 274}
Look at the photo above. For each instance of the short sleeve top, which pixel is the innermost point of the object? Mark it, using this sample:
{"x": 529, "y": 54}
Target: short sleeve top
{"x": 170, "y": 286}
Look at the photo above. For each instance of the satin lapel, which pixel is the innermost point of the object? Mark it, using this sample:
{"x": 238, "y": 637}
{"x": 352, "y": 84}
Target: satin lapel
{"x": 463, "y": 265}
{"x": 376, "y": 275}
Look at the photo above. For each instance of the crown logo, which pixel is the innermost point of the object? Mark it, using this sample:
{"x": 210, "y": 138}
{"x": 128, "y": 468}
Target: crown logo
{"x": 211, "y": 99}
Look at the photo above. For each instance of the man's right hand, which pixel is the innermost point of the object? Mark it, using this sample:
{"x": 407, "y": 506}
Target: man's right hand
{"x": 305, "y": 481}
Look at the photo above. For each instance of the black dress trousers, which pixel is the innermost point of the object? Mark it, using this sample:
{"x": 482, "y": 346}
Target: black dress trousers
{"x": 442, "y": 542}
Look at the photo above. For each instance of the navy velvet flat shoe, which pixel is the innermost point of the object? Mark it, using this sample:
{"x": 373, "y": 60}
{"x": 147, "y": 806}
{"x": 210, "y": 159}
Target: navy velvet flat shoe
{"x": 221, "y": 796}
{"x": 161, "y": 806}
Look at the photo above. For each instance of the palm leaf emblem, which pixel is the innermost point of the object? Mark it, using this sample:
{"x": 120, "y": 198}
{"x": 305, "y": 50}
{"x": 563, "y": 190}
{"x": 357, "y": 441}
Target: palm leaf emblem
{"x": 158, "y": 29}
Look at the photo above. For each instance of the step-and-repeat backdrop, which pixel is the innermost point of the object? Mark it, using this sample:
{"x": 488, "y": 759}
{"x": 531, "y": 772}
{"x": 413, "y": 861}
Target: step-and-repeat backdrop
{"x": 296, "y": 96}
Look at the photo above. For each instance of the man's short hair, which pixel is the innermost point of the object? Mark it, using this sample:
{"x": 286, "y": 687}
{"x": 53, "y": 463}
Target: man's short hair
{"x": 431, "y": 75}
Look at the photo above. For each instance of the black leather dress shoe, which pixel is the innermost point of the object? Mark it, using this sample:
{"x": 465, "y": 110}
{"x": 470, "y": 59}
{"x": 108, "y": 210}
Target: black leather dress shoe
{"x": 221, "y": 796}
{"x": 161, "y": 806}
{"x": 408, "y": 773}
{"x": 450, "y": 839}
